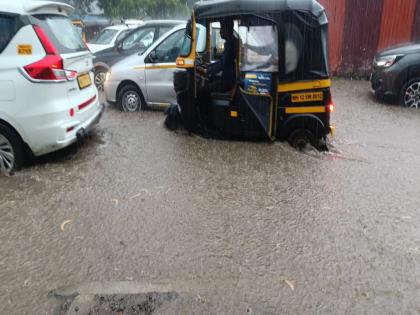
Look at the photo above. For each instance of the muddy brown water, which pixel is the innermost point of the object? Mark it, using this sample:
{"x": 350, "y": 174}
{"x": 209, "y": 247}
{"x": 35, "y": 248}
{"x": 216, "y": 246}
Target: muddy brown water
{"x": 242, "y": 227}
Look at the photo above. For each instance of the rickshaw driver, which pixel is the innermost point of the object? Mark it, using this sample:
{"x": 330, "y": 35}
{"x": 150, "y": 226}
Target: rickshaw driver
{"x": 227, "y": 65}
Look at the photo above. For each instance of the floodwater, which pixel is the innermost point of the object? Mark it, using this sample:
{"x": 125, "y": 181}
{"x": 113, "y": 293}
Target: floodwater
{"x": 227, "y": 227}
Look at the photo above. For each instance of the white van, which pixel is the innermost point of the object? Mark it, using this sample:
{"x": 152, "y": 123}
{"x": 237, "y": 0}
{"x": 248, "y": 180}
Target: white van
{"x": 47, "y": 99}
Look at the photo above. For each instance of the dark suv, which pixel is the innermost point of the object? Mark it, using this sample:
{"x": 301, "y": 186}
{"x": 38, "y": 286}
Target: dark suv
{"x": 396, "y": 74}
{"x": 136, "y": 41}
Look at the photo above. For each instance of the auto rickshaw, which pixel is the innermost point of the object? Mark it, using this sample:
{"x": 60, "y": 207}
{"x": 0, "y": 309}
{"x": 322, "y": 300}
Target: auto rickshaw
{"x": 282, "y": 88}
{"x": 80, "y": 28}
{"x": 90, "y": 25}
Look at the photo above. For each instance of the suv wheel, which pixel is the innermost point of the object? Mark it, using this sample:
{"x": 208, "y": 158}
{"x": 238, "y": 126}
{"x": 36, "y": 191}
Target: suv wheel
{"x": 11, "y": 151}
{"x": 130, "y": 99}
{"x": 410, "y": 94}
{"x": 100, "y": 76}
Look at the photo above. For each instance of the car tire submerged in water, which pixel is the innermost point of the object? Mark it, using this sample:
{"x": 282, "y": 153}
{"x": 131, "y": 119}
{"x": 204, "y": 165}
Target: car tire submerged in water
{"x": 11, "y": 150}
{"x": 99, "y": 78}
{"x": 130, "y": 99}
{"x": 301, "y": 138}
{"x": 410, "y": 94}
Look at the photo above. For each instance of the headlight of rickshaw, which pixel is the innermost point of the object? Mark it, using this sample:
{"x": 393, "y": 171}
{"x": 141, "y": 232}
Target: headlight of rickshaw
{"x": 386, "y": 61}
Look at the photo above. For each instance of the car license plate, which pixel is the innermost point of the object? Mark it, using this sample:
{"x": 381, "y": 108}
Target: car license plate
{"x": 84, "y": 81}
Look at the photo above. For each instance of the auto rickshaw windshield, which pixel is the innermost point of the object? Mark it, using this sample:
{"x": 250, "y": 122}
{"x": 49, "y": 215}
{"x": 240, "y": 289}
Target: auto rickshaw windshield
{"x": 187, "y": 42}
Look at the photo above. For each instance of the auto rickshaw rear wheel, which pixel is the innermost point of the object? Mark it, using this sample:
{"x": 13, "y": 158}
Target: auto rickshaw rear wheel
{"x": 301, "y": 138}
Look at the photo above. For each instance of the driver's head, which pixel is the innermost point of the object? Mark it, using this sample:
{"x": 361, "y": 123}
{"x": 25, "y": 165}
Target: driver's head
{"x": 226, "y": 28}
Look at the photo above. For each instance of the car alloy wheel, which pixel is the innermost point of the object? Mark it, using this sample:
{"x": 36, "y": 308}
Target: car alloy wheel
{"x": 99, "y": 79}
{"x": 7, "y": 155}
{"x": 412, "y": 95}
{"x": 131, "y": 101}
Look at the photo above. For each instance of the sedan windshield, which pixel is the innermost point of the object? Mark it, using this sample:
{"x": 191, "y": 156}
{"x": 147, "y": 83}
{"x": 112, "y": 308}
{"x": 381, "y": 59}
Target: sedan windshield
{"x": 105, "y": 37}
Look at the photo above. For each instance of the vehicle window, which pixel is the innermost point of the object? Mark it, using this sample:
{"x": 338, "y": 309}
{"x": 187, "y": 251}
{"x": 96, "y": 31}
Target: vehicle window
{"x": 7, "y": 30}
{"x": 259, "y": 48}
{"x": 217, "y": 42}
{"x": 170, "y": 48}
{"x": 105, "y": 37}
{"x": 201, "y": 38}
{"x": 293, "y": 47}
{"x": 164, "y": 29}
{"x": 140, "y": 39}
{"x": 121, "y": 35}
{"x": 62, "y": 32}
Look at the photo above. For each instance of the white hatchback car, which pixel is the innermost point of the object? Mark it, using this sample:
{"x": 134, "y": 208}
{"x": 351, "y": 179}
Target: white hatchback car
{"x": 47, "y": 99}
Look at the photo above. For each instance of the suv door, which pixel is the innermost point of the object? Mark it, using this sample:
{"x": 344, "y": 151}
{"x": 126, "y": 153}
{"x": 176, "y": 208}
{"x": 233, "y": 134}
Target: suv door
{"x": 160, "y": 66}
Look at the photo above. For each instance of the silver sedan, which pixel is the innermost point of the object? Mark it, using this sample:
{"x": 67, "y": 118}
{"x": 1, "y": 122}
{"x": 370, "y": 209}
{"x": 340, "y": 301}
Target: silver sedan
{"x": 146, "y": 79}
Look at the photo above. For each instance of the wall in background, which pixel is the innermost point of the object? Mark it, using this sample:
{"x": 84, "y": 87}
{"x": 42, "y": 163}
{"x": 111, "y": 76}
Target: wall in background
{"x": 360, "y": 28}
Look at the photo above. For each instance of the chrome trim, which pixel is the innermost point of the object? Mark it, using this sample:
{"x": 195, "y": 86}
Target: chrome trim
{"x": 27, "y": 76}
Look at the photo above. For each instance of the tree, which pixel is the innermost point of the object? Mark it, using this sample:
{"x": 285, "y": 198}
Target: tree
{"x": 139, "y": 9}
{"x": 82, "y": 7}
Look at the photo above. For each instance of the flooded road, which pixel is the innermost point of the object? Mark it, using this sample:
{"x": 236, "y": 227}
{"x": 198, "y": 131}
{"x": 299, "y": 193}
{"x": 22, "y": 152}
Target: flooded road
{"x": 229, "y": 227}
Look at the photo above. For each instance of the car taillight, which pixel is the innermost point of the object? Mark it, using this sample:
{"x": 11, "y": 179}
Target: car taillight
{"x": 51, "y": 67}
{"x": 45, "y": 41}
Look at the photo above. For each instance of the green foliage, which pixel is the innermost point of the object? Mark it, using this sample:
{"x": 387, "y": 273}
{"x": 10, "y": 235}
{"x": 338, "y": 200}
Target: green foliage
{"x": 81, "y": 6}
{"x": 139, "y": 9}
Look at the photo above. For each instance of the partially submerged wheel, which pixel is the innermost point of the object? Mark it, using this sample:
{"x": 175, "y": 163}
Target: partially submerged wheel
{"x": 301, "y": 138}
{"x": 410, "y": 95}
{"x": 130, "y": 99}
{"x": 11, "y": 152}
{"x": 99, "y": 79}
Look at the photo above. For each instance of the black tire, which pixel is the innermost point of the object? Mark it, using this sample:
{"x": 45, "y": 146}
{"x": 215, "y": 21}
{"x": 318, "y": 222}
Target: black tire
{"x": 130, "y": 99}
{"x": 403, "y": 101}
{"x": 16, "y": 149}
{"x": 301, "y": 138}
{"x": 99, "y": 78}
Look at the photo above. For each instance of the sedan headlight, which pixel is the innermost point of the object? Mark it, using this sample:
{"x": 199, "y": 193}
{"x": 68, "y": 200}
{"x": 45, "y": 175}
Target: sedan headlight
{"x": 386, "y": 61}
{"x": 108, "y": 75}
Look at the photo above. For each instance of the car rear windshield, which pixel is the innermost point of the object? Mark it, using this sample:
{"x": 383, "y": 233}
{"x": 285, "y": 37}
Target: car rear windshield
{"x": 61, "y": 32}
{"x": 105, "y": 37}
{"x": 8, "y": 28}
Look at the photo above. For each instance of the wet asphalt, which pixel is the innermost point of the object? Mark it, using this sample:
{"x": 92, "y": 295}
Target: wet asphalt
{"x": 222, "y": 227}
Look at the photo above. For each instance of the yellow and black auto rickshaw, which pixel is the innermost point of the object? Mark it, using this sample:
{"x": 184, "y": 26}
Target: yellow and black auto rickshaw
{"x": 282, "y": 84}
{"x": 80, "y": 28}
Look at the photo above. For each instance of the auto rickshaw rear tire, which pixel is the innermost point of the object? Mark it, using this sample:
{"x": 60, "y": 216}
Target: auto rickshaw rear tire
{"x": 130, "y": 99}
{"x": 301, "y": 138}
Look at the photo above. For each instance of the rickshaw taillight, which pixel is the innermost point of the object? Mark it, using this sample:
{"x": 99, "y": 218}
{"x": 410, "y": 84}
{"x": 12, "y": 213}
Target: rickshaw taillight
{"x": 330, "y": 106}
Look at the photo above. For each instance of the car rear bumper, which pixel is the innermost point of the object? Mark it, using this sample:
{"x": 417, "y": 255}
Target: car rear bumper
{"x": 62, "y": 138}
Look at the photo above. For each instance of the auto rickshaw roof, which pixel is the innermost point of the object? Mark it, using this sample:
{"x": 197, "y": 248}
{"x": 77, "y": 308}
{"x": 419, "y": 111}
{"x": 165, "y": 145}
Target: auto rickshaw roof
{"x": 220, "y": 8}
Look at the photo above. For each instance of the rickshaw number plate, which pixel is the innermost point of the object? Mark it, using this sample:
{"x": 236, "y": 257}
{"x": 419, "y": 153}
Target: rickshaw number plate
{"x": 84, "y": 81}
{"x": 307, "y": 97}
